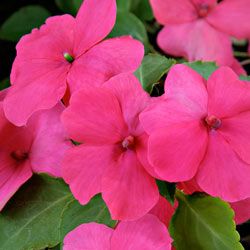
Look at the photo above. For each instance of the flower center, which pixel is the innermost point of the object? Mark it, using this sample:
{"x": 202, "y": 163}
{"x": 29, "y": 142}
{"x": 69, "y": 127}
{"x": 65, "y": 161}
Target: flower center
{"x": 128, "y": 142}
{"x": 213, "y": 122}
{"x": 68, "y": 57}
{"x": 203, "y": 10}
{"x": 19, "y": 155}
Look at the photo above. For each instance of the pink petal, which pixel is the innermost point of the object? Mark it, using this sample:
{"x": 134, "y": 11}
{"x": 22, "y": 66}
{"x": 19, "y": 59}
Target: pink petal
{"x": 39, "y": 71}
{"x": 242, "y": 210}
{"x": 185, "y": 100}
{"x": 142, "y": 154}
{"x": 232, "y": 17}
{"x": 176, "y": 151}
{"x": 12, "y": 177}
{"x": 94, "y": 116}
{"x": 133, "y": 99}
{"x": 222, "y": 173}
{"x": 172, "y": 12}
{"x": 189, "y": 187}
{"x": 13, "y": 173}
{"x": 196, "y": 41}
{"x": 50, "y": 142}
{"x": 235, "y": 131}
{"x": 237, "y": 68}
{"x": 83, "y": 168}
{"x": 24, "y": 99}
{"x": 128, "y": 190}
{"x": 164, "y": 210}
{"x": 147, "y": 233}
{"x": 91, "y": 236}
{"x": 105, "y": 60}
{"x": 228, "y": 95}
{"x": 94, "y": 21}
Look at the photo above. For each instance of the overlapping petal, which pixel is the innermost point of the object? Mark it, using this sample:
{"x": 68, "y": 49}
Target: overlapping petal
{"x": 196, "y": 41}
{"x": 128, "y": 190}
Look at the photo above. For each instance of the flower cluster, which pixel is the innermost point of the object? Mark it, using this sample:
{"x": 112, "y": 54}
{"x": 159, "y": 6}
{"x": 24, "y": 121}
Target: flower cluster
{"x": 75, "y": 110}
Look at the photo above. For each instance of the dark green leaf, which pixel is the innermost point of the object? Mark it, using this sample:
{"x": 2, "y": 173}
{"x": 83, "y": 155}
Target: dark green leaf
{"x": 152, "y": 69}
{"x": 203, "y": 68}
{"x": 128, "y": 24}
{"x": 143, "y": 10}
{"x": 245, "y": 78}
{"x": 42, "y": 212}
{"x": 22, "y": 22}
{"x": 5, "y": 83}
{"x": 167, "y": 190}
{"x": 204, "y": 222}
{"x": 123, "y": 5}
{"x": 69, "y": 6}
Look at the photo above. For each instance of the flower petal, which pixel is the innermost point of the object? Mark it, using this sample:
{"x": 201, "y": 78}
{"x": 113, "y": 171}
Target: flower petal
{"x": 12, "y": 176}
{"x": 133, "y": 99}
{"x": 50, "y": 142}
{"x": 94, "y": 21}
{"x": 82, "y": 169}
{"x": 231, "y": 17}
{"x": 228, "y": 95}
{"x": 222, "y": 173}
{"x": 128, "y": 190}
{"x": 105, "y": 60}
{"x": 94, "y": 116}
{"x": 196, "y": 41}
{"x": 241, "y": 210}
{"x": 147, "y": 233}
{"x": 91, "y": 236}
{"x": 176, "y": 151}
{"x": 164, "y": 210}
{"x": 185, "y": 100}
{"x": 25, "y": 98}
{"x": 172, "y": 12}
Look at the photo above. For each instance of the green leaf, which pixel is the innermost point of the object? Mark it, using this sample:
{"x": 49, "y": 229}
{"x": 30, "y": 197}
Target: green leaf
{"x": 5, "y": 83}
{"x": 143, "y": 10}
{"x": 123, "y": 5}
{"x": 22, "y": 22}
{"x": 167, "y": 190}
{"x": 152, "y": 69}
{"x": 69, "y": 6}
{"x": 245, "y": 78}
{"x": 42, "y": 212}
{"x": 203, "y": 68}
{"x": 204, "y": 222}
{"x": 128, "y": 24}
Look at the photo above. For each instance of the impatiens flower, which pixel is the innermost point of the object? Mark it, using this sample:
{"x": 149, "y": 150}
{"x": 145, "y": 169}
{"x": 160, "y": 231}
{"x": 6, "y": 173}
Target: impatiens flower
{"x": 37, "y": 147}
{"x": 164, "y": 210}
{"x": 113, "y": 157}
{"x": 202, "y": 29}
{"x": 200, "y": 129}
{"x": 241, "y": 210}
{"x": 147, "y": 233}
{"x": 52, "y": 59}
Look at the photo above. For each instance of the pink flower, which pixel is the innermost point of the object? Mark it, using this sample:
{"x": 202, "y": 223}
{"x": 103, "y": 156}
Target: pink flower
{"x": 68, "y": 51}
{"x": 241, "y": 210}
{"x": 164, "y": 210}
{"x": 113, "y": 157}
{"x": 202, "y": 29}
{"x": 147, "y": 233}
{"x": 201, "y": 129}
{"x": 37, "y": 147}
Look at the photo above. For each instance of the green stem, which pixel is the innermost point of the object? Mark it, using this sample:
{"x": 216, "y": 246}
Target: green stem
{"x": 241, "y": 54}
{"x": 245, "y": 62}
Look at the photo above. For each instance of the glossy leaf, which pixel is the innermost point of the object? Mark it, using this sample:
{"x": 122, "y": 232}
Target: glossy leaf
{"x": 128, "y": 24}
{"x": 204, "y": 222}
{"x": 203, "y": 68}
{"x": 167, "y": 190}
{"x": 22, "y": 22}
{"x": 152, "y": 69}
{"x": 69, "y": 6}
{"x": 42, "y": 212}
